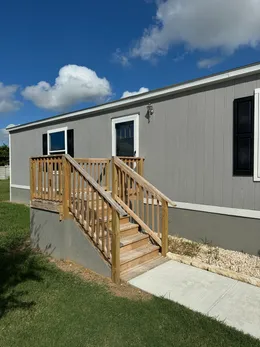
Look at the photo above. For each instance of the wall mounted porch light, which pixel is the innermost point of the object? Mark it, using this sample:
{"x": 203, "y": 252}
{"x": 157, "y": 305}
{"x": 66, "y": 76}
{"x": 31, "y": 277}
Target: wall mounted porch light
{"x": 150, "y": 112}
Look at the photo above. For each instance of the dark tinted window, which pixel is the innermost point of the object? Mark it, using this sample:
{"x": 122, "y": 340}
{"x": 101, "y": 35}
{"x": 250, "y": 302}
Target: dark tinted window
{"x": 57, "y": 141}
{"x": 125, "y": 139}
{"x": 243, "y": 145}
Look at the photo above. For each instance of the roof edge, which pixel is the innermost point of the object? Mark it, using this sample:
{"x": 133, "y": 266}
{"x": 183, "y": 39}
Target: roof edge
{"x": 208, "y": 80}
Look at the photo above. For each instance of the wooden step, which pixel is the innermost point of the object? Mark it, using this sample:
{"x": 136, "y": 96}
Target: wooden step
{"x": 127, "y": 243}
{"x": 142, "y": 268}
{"x": 138, "y": 256}
{"x": 128, "y": 229}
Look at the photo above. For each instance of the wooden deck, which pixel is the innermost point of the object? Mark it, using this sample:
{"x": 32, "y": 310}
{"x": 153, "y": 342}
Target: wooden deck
{"x": 130, "y": 232}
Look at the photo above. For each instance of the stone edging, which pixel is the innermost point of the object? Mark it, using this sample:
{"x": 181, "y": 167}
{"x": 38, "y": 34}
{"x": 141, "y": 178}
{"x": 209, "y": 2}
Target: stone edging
{"x": 227, "y": 273}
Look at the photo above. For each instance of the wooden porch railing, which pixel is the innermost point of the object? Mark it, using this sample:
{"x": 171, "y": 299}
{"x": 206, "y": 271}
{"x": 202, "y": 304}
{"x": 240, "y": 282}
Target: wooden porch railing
{"x": 142, "y": 201}
{"x": 97, "y": 168}
{"x": 135, "y": 163}
{"x": 63, "y": 180}
{"x": 92, "y": 206}
{"x": 46, "y": 178}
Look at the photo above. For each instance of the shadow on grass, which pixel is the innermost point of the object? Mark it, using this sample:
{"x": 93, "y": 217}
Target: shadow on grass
{"x": 18, "y": 264}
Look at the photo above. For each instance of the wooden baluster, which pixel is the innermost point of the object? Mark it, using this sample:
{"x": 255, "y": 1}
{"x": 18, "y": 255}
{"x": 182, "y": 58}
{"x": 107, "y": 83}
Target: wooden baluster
{"x": 91, "y": 169}
{"x": 142, "y": 201}
{"x": 128, "y": 189}
{"x": 65, "y": 183}
{"x": 93, "y": 212}
{"x": 153, "y": 213}
{"x": 82, "y": 201}
{"x": 123, "y": 187}
{"x": 95, "y": 173}
{"x": 74, "y": 190}
{"x": 137, "y": 199}
{"x": 98, "y": 219}
{"x": 114, "y": 179}
{"x": 60, "y": 194}
{"x": 147, "y": 208}
{"x": 52, "y": 178}
{"x": 55, "y": 179}
{"x": 78, "y": 196}
{"x": 40, "y": 179}
{"x": 158, "y": 218}
{"x": 103, "y": 225}
{"x": 108, "y": 232}
{"x": 120, "y": 191}
{"x": 37, "y": 178}
{"x": 164, "y": 228}
{"x": 44, "y": 179}
{"x": 49, "y": 178}
{"x": 98, "y": 170}
{"x": 87, "y": 205}
{"x": 107, "y": 174}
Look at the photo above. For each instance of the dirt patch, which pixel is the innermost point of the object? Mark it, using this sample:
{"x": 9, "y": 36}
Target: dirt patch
{"x": 124, "y": 290}
{"x": 183, "y": 247}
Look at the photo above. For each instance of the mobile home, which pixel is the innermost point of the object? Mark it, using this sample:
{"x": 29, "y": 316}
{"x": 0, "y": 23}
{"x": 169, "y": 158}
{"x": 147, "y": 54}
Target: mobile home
{"x": 199, "y": 141}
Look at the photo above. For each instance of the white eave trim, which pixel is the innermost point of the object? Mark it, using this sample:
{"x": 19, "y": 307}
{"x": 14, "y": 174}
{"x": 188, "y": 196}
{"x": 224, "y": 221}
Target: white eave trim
{"x": 150, "y": 95}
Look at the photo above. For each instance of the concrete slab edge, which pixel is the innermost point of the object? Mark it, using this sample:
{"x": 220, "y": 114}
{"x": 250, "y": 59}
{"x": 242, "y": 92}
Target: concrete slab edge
{"x": 211, "y": 268}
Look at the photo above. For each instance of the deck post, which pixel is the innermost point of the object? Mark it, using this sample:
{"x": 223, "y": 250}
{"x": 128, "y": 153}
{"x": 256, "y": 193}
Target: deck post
{"x": 141, "y": 167}
{"x": 165, "y": 222}
{"x": 32, "y": 179}
{"x": 108, "y": 164}
{"x": 115, "y": 247}
{"x": 115, "y": 229}
{"x": 65, "y": 187}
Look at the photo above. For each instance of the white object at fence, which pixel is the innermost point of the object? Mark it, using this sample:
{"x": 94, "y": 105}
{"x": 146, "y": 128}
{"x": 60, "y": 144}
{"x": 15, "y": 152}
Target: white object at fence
{"x": 4, "y": 172}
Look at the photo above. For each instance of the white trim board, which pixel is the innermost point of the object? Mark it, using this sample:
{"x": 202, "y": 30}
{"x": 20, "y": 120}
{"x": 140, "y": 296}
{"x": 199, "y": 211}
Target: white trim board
{"x": 135, "y": 119}
{"x": 229, "y": 211}
{"x": 19, "y": 186}
{"x": 240, "y": 72}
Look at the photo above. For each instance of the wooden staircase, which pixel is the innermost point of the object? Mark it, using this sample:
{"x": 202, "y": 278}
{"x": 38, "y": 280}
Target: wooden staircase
{"x": 137, "y": 251}
{"x": 129, "y": 226}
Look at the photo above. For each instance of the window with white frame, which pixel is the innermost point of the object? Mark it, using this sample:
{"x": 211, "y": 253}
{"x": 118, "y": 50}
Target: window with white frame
{"x": 57, "y": 141}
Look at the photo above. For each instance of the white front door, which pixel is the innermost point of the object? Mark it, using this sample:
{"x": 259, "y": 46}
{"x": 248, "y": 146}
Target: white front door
{"x": 125, "y": 136}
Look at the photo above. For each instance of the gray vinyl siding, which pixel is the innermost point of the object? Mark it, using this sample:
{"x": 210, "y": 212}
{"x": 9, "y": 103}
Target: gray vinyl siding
{"x": 187, "y": 145}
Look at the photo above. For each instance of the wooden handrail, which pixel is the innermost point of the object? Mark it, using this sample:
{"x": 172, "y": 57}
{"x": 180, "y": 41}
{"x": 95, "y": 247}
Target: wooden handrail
{"x": 141, "y": 180}
{"x": 134, "y": 193}
{"x": 97, "y": 187}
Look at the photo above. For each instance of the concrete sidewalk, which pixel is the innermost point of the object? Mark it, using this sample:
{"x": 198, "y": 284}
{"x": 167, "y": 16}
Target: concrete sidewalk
{"x": 235, "y": 303}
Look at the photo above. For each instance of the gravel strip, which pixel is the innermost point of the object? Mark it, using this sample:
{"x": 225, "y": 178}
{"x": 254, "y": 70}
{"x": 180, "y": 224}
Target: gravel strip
{"x": 239, "y": 262}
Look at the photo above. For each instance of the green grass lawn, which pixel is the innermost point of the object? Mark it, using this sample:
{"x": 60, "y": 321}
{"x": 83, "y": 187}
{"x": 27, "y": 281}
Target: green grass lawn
{"x": 4, "y": 190}
{"x": 42, "y": 306}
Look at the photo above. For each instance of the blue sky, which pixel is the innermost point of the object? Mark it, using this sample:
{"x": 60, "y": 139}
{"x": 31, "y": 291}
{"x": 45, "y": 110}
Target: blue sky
{"x": 102, "y": 49}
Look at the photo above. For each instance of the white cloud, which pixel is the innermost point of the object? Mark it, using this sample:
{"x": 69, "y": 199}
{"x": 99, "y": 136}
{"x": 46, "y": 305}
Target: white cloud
{"x": 4, "y": 138}
{"x": 7, "y": 98}
{"x": 201, "y": 24}
{"x": 208, "y": 63}
{"x": 126, "y": 94}
{"x": 120, "y": 58}
{"x": 73, "y": 85}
